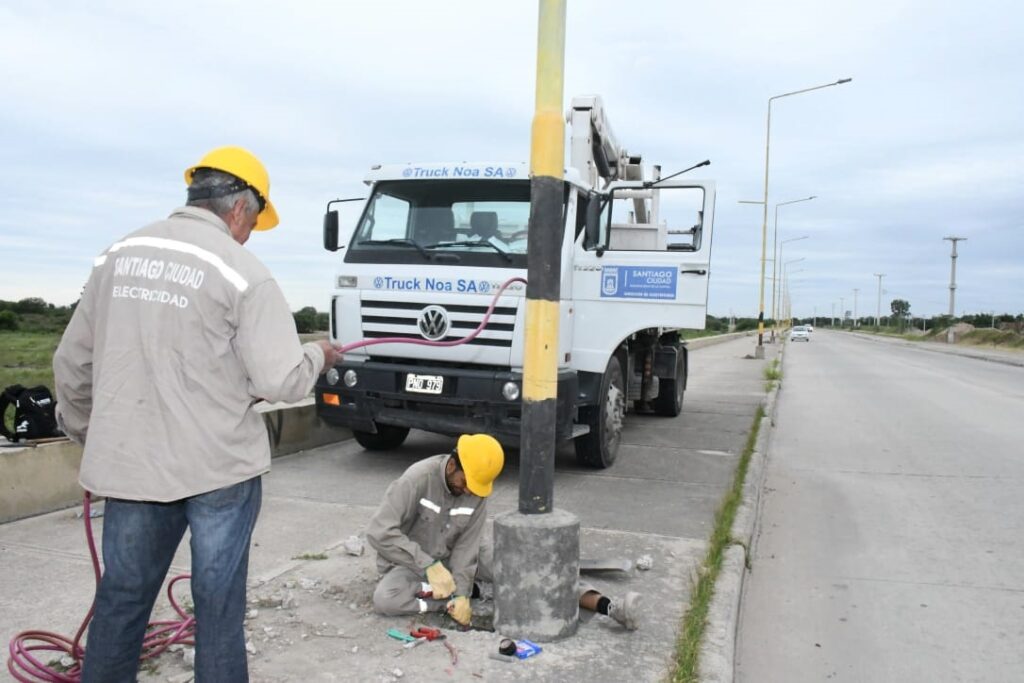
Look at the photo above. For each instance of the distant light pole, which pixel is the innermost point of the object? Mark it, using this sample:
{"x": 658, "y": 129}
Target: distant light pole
{"x": 950, "y": 338}
{"x": 785, "y": 264}
{"x": 855, "y": 291}
{"x": 787, "y": 308}
{"x": 878, "y": 311}
{"x": 842, "y": 312}
{"x": 781, "y": 244}
{"x": 776, "y": 255}
{"x": 832, "y": 320}
{"x": 759, "y": 351}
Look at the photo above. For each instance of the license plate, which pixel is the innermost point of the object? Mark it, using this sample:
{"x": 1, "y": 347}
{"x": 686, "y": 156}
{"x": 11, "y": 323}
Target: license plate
{"x": 424, "y": 384}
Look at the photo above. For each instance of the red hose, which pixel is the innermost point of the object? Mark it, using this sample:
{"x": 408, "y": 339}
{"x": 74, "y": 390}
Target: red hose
{"x": 26, "y": 668}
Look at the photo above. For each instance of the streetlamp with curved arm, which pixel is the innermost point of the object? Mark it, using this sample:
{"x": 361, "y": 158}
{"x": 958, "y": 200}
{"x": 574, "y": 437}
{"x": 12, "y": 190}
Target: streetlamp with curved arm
{"x": 759, "y": 351}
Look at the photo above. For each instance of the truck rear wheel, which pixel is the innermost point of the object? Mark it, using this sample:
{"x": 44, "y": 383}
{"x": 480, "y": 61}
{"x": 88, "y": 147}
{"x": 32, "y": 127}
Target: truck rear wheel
{"x": 669, "y": 401}
{"x": 386, "y": 438}
{"x": 599, "y": 447}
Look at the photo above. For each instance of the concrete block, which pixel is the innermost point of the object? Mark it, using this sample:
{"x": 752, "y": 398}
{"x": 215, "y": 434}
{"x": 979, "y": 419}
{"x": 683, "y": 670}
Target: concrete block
{"x": 38, "y": 480}
{"x": 536, "y": 575}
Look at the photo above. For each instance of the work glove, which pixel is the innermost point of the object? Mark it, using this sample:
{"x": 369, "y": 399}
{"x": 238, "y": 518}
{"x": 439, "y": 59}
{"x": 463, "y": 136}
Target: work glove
{"x": 441, "y": 582}
{"x": 459, "y": 609}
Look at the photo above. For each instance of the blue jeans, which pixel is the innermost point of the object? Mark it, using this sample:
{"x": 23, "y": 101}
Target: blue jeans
{"x": 139, "y": 542}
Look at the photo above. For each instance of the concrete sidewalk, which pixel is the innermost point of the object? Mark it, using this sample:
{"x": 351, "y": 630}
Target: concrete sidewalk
{"x": 311, "y": 618}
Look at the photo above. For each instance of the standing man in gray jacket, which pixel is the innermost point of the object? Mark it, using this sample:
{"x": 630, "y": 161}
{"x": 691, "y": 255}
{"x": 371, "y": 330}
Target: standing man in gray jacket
{"x": 179, "y": 332}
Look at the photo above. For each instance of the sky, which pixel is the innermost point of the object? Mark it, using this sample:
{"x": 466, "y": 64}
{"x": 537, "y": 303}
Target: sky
{"x": 104, "y": 104}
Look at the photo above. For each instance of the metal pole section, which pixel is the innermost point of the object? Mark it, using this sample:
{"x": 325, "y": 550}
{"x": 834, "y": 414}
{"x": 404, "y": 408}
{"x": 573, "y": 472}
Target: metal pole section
{"x": 832, "y": 320}
{"x": 544, "y": 270}
{"x": 775, "y": 258}
{"x": 878, "y": 311}
{"x": 842, "y": 311}
{"x": 950, "y": 337}
{"x": 855, "y": 291}
{"x": 759, "y": 351}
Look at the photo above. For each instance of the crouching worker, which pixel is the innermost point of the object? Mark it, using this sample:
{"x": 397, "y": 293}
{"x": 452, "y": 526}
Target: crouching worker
{"x": 428, "y": 528}
{"x": 428, "y": 534}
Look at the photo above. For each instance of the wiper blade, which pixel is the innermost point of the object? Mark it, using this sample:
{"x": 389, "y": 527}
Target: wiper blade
{"x": 400, "y": 240}
{"x": 475, "y": 243}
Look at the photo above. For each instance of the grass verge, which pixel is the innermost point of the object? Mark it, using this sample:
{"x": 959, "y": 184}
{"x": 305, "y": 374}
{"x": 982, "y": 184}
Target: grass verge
{"x": 688, "y": 646}
{"x": 27, "y": 358}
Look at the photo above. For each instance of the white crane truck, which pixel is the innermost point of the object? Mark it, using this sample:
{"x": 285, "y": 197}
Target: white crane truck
{"x": 435, "y": 242}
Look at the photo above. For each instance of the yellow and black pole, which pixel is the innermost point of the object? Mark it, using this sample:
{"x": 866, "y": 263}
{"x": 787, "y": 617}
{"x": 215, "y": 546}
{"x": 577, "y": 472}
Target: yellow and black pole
{"x": 537, "y": 547}
{"x": 547, "y": 198}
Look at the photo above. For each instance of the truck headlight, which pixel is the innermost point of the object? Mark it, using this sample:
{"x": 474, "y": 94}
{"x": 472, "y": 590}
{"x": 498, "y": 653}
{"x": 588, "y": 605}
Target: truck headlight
{"x": 332, "y": 376}
{"x": 350, "y": 378}
{"x": 510, "y": 391}
{"x": 347, "y": 281}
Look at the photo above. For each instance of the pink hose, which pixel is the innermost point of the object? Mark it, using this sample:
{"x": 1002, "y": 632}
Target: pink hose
{"x": 26, "y": 668}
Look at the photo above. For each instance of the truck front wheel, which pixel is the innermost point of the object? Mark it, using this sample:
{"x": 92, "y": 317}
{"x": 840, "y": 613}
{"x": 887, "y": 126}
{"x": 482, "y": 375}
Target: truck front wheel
{"x": 386, "y": 438}
{"x": 669, "y": 402}
{"x": 599, "y": 447}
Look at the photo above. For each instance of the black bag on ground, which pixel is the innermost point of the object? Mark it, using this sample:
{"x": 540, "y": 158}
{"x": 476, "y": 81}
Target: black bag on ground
{"x": 35, "y": 413}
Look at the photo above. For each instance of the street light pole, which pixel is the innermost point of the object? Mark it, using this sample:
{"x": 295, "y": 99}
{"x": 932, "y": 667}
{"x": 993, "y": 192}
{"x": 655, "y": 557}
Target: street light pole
{"x": 842, "y": 312}
{"x": 785, "y": 265}
{"x": 781, "y": 246}
{"x": 878, "y": 311}
{"x": 775, "y": 257}
{"x": 855, "y": 291}
{"x": 759, "y": 351}
{"x": 950, "y": 337}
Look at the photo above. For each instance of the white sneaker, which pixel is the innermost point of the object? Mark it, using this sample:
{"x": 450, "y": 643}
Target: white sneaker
{"x": 626, "y": 610}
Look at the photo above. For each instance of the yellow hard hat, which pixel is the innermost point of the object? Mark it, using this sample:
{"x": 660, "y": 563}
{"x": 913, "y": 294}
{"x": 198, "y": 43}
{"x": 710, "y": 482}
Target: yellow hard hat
{"x": 482, "y": 459}
{"x": 244, "y": 165}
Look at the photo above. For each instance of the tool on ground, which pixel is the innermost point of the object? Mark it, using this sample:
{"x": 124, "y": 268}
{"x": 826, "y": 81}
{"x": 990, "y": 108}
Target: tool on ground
{"x": 592, "y": 566}
{"x": 399, "y": 635}
{"x": 527, "y": 648}
{"x": 428, "y": 632}
{"x": 508, "y": 659}
{"x": 507, "y": 646}
{"x": 414, "y": 643}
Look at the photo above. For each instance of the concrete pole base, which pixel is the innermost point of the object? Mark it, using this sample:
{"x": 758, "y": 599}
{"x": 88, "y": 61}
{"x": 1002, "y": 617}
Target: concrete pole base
{"x": 536, "y": 575}
{"x": 759, "y": 351}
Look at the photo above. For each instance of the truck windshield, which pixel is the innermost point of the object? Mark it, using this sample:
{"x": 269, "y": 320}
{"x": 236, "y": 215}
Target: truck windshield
{"x": 473, "y": 222}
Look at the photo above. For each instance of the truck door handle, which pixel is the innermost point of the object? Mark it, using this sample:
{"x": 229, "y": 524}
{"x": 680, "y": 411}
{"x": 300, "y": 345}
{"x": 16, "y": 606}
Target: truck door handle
{"x": 693, "y": 272}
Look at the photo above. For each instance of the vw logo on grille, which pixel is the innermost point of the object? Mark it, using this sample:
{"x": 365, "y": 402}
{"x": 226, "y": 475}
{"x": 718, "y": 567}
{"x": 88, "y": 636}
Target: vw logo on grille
{"x": 433, "y": 323}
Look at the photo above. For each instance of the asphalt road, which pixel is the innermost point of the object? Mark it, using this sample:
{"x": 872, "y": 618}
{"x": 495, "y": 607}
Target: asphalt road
{"x": 890, "y": 530}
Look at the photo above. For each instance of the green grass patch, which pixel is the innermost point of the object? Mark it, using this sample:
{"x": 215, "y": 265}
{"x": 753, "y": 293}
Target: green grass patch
{"x": 695, "y": 621}
{"x": 311, "y": 556}
{"x": 772, "y": 371}
{"x": 27, "y": 358}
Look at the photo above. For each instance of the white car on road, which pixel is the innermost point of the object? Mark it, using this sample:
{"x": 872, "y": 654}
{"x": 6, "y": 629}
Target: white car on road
{"x": 799, "y": 333}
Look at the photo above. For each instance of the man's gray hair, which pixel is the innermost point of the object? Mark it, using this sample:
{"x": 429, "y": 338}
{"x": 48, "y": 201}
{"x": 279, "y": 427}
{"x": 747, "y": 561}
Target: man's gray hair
{"x": 214, "y": 180}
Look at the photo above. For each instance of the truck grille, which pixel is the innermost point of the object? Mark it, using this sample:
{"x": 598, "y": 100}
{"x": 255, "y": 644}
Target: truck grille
{"x": 382, "y": 318}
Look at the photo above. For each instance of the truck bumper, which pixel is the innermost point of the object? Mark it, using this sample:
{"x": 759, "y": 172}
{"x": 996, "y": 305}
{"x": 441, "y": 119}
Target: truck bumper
{"x": 471, "y": 401}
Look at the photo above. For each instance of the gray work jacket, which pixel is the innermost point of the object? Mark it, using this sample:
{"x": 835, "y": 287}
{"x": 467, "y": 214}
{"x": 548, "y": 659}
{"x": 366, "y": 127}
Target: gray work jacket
{"x": 420, "y": 521}
{"x": 179, "y": 332}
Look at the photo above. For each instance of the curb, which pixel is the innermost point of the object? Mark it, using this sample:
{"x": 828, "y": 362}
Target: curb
{"x": 718, "y": 645}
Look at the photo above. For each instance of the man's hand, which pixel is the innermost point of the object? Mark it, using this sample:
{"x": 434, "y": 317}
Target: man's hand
{"x": 459, "y": 609}
{"x": 331, "y": 355}
{"x": 441, "y": 582}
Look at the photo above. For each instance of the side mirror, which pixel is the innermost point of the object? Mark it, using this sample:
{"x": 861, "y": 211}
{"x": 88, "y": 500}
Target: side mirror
{"x": 331, "y": 231}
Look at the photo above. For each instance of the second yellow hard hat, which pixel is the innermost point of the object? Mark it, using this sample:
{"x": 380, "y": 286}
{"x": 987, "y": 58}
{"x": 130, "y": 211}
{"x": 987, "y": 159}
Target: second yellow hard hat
{"x": 482, "y": 459}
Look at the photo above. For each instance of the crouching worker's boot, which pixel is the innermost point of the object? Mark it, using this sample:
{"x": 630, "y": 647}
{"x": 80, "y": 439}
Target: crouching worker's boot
{"x": 626, "y": 610}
